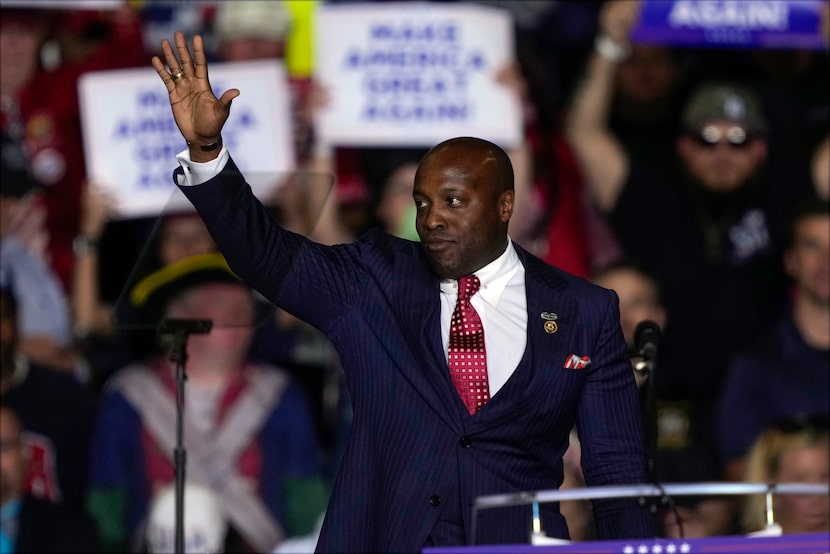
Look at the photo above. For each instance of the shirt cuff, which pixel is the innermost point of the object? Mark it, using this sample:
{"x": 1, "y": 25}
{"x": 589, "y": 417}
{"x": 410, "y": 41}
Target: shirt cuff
{"x": 196, "y": 173}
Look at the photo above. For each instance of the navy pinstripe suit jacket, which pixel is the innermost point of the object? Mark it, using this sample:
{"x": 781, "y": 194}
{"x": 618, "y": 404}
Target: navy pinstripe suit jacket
{"x": 417, "y": 460}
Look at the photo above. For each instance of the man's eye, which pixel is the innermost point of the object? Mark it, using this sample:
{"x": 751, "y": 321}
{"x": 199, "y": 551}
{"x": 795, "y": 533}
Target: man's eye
{"x": 454, "y": 201}
{"x": 420, "y": 204}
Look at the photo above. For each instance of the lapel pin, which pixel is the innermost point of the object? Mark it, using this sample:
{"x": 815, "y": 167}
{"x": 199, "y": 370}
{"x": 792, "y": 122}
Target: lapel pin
{"x": 550, "y": 322}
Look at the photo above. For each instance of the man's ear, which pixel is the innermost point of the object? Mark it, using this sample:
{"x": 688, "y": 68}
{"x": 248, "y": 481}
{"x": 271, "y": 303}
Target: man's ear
{"x": 759, "y": 150}
{"x": 506, "y": 205}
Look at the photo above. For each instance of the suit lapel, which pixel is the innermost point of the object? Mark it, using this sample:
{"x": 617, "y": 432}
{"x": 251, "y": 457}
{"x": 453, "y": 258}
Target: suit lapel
{"x": 420, "y": 326}
{"x": 421, "y": 329}
{"x": 544, "y": 289}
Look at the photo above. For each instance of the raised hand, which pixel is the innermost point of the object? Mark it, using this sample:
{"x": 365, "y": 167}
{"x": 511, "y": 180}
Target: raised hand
{"x": 199, "y": 115}
{"x": 618, "y": 18}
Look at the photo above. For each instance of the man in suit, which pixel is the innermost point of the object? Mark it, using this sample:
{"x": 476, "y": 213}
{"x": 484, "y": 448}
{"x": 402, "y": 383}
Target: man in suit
{"x": 418, "y": 456}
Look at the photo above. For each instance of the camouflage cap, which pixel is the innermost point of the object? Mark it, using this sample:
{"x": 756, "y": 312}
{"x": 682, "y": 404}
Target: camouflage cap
{"x": 728, "y": 101}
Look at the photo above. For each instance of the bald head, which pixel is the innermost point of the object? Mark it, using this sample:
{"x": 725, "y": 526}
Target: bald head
{"x": 464, "y": 199}
{"x": 487, "y": 163}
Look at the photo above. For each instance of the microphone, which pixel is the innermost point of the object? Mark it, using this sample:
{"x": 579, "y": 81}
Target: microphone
{"x": 646, "y": 343}
{"x": 187, "y": 326}
{"x": 647, "y": 339}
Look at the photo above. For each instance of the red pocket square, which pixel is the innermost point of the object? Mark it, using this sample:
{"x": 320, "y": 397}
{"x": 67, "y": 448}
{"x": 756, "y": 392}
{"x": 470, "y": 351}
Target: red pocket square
{"x": 575, "y": 362}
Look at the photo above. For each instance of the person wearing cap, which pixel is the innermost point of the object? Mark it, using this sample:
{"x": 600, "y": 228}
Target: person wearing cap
{"x": 251, "y": 30}
{"x": 258, "y": 30}
{"x": 99, "y": 316}
{"x": 709, "y": 229}
{"x": 248, "y": 432}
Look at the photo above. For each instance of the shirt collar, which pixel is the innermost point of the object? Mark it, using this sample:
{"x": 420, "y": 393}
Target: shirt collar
{"x": 493, "y": 276}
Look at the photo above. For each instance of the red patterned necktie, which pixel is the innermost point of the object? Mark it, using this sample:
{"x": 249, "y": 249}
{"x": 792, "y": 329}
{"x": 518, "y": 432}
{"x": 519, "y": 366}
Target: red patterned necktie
{"x": 467, "y": 358}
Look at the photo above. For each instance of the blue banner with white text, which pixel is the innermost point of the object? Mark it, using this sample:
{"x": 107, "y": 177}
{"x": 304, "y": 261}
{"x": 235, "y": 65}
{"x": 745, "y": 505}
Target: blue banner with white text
{"x": 759, "y": 24}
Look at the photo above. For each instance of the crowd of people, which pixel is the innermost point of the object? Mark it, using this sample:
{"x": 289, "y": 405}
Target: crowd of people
{"x": 692, "y": 182}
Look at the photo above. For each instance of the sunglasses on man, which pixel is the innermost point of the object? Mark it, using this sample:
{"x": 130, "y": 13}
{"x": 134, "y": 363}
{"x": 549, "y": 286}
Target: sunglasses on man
{"x": 712, "y": 135}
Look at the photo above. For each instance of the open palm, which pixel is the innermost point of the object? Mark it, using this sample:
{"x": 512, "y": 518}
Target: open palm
{"x": 199, "y": 115}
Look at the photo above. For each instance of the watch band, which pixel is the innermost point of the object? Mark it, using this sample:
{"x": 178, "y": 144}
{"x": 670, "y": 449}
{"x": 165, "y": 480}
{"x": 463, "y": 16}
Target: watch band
{"x": 209, "y": 147}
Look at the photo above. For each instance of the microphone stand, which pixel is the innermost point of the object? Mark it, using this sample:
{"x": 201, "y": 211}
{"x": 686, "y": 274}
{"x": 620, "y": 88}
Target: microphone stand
{"x": 650, "y": 415}
{"x": 647, "y": 340}
{"x": 646, "y": 367}
{"x": 181, "y": 329}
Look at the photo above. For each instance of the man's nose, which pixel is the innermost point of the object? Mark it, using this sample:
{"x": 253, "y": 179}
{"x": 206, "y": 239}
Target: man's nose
{"x": 434, "y": 218}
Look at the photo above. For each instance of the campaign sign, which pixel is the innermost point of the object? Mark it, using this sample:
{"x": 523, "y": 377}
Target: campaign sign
{"x": 131, "y": 139}
{"x": 771, "y": 24}
{"x": 414, "y": 74}
{"x": 64, "y": 4}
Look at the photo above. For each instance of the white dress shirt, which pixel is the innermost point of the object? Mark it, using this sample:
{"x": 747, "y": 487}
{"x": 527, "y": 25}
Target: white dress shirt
{"x": 501, "y": 302}
{"x": 196, "y": 173}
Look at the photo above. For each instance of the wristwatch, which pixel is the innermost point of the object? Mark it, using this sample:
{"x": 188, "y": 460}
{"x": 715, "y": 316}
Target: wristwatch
{"x": 611, "y": 49}
{"x": 83, "y": 244}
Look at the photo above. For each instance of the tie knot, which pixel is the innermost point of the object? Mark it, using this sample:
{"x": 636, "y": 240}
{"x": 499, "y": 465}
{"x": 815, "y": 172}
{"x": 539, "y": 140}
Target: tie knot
{"x": 468, "y": 286}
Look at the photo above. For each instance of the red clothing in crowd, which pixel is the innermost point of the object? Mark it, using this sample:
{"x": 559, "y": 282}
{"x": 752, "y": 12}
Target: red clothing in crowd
{"x": 50, "y": 118}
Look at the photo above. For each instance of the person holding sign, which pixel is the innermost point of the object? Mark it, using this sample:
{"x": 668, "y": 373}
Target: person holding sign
{"x": 708, "y": 226}
{"x": 551, "y": 356}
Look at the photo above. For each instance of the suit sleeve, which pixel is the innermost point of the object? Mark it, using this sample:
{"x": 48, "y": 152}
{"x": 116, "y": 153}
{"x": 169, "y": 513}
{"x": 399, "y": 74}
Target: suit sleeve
{"x": 609, "y": 427}
{"x": 314, "y": 282}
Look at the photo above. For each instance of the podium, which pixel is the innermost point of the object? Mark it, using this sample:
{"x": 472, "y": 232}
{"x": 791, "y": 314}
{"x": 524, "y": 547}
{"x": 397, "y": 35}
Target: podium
{"x": 538, "y": 542}
{"x": 808, "y": 543}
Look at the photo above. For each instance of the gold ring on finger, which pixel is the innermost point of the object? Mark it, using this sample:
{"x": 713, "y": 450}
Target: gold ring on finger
{"x": 178, "y": 76}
